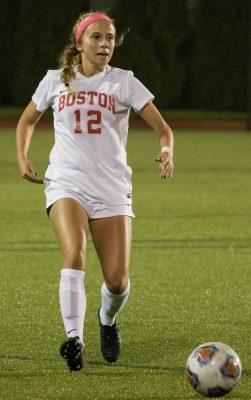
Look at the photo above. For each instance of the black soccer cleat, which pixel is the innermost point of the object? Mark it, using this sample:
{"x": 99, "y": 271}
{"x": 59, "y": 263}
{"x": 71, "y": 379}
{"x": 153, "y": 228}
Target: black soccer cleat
{"x": 72, "y": 351}
{"x": 110, "y": 341}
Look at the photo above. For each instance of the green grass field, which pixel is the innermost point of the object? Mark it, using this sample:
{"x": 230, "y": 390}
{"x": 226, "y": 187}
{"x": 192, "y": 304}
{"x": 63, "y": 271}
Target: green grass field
{"x": 190, "y": 274}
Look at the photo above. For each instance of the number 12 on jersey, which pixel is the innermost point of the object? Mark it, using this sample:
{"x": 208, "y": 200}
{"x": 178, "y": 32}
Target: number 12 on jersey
{"x": 96, "y": 120}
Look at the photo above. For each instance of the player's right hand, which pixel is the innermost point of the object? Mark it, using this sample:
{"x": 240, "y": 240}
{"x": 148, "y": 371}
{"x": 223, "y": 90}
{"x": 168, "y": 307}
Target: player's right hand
{"x": 27, "y": 170}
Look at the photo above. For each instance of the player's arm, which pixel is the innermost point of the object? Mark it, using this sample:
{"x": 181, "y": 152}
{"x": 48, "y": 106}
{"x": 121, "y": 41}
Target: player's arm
{"x": 24, "y": 131}
{"x": 154, "y": 119}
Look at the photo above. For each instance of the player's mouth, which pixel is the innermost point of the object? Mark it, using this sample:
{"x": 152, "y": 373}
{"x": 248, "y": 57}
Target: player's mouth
{"x": 103, "y": 55}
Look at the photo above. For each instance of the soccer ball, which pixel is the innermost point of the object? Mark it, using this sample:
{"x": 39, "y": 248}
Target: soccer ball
{"x": 213, "y": 369}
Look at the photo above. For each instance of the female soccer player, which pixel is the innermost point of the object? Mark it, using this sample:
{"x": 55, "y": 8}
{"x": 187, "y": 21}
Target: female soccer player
{"x": 88, "y": 182}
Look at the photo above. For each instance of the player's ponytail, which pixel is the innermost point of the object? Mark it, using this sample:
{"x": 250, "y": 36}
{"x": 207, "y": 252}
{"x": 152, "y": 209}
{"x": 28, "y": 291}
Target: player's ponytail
{"x": 68, "y": 60}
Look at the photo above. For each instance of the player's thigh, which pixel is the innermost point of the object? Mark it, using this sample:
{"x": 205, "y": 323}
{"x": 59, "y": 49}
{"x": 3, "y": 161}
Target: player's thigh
{"x": 70, "y": 223}
{"x": 112, "y": 241}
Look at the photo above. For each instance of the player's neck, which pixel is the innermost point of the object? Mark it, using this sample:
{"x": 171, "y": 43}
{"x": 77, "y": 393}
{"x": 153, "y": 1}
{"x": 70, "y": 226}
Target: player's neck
{"x": 89, "y": 70}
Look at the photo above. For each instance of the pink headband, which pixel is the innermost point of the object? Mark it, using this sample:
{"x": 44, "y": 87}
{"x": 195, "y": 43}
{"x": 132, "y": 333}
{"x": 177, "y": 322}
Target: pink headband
{"x": 89, "y": 20}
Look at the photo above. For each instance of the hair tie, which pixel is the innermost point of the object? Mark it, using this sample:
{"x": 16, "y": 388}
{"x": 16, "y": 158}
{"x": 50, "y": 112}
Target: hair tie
{"x": 69, "y": 89}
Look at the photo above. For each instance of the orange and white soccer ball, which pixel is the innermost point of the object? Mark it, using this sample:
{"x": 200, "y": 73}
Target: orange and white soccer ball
{"x": 213, "y": 369}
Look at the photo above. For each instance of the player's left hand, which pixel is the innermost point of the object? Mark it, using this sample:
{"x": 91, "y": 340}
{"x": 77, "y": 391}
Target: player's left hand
{"x": 166, "y": 166}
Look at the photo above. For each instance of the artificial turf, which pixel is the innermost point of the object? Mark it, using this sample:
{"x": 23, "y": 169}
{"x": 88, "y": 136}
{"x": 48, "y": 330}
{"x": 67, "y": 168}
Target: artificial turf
{"x": 190, "y": 274}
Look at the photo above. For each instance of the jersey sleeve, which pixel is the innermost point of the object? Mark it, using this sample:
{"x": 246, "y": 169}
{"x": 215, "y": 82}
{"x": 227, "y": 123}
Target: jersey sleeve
{"x": 42, "y": 97}
{"x": 138, "y": 94}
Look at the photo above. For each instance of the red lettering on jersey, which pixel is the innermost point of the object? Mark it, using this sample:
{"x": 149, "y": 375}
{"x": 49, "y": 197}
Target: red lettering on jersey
{"x": 61, "y": 103}
{"x": 70, "y": 100}
{"x": 111, "y": 104}
{"x": 94, "y": 121}
{"x": 102, "y": 100}
{"x": 81, "y": 97}
{"x": 92, "y": 94}
{"x": 77, "y": 127}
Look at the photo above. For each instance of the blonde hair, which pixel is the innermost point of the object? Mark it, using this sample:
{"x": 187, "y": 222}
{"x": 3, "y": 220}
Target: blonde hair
{"x": 71, "y": 56}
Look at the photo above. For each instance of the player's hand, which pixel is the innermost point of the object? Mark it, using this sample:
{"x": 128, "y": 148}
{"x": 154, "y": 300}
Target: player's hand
{"x": 166, "y": 166}
{"x": 28, "y": 172}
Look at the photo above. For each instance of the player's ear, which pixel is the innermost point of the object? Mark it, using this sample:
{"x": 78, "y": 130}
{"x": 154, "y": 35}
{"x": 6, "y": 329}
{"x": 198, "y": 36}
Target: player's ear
{"x": 78, "y": 46}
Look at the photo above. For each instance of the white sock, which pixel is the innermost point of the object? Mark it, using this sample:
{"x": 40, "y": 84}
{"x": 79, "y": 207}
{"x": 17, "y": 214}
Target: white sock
{"x": 72, "y": 301}
{"x": 111, "y": 304}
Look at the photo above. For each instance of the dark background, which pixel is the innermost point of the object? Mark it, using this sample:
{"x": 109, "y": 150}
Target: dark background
{"x": 192, "y": 54}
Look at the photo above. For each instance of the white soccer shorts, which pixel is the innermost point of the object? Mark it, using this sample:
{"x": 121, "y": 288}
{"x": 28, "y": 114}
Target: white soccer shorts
{"x": 94, "y": 209}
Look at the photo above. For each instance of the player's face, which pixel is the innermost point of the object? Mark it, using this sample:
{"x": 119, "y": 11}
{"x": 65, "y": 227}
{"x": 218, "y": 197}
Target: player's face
{"x": 97, "y": 44}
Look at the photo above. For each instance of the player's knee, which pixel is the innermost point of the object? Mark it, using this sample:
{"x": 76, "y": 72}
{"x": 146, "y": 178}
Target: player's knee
{"x": 117, "y": 284}
{"x": 74, "y": 257}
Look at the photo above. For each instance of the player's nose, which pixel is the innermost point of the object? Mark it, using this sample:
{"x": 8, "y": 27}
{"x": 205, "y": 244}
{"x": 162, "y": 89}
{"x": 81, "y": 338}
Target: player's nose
{"x": 104, "y": 48}
{"x": 104, "y": 42}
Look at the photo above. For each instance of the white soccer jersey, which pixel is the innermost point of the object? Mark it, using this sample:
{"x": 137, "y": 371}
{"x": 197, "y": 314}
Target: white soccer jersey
{"x": 89, "y": 154}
